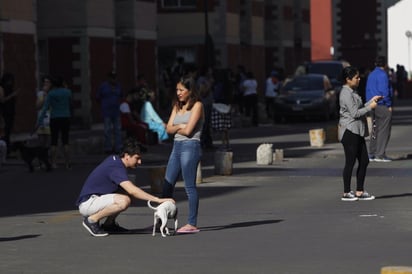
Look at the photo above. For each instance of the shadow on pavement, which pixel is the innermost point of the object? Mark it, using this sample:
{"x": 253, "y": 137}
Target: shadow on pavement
{"x": 394, "y": 196}
{"x": 238, "y": 225}
{"x": 17, "y": 238}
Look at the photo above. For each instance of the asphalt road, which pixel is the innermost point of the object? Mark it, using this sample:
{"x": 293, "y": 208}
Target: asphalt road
{"x": 281, "y": 218}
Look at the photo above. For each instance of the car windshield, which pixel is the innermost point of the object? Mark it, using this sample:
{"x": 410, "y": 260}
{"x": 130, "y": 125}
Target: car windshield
{"x": 304, "y": 84}
{"x": 332, "y": 70}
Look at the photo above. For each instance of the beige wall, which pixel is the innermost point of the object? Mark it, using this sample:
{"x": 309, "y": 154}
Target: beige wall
{"x": 189, "y": 28}
{"x": 258, "y": 31}
{"x": 137, "y": 19}
{"x": 17, "y": 9}
{"x": 232, "y": 28}
{"x": 75, "y": 14}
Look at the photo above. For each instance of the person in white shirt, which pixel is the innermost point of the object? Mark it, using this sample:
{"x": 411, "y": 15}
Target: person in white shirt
{"x": 250, "y": 97}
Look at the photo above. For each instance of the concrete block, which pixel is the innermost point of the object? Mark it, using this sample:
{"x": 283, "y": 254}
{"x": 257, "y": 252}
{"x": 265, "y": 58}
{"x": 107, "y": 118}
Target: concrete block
{"x": 223, "y": 162}
{"x": 278, "y": 155}
{"x": 317, "y": 137}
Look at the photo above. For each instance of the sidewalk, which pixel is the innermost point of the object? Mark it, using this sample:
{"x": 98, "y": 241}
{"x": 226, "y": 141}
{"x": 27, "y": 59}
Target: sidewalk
{"x": 87, "y": 145}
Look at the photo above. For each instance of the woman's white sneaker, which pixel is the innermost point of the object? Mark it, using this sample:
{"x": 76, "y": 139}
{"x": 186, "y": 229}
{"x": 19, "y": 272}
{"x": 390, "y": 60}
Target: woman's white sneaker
{"x": 349, "y": 197}
{"x": 365, "y": 196}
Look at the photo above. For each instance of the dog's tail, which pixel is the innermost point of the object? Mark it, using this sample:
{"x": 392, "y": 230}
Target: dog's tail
{"x": 150, "y": 205}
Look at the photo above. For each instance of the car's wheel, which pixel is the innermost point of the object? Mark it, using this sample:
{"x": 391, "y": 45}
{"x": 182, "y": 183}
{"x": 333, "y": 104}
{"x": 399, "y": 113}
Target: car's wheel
{"x": 327, "y": 114}
{"x": 277, "y": 118}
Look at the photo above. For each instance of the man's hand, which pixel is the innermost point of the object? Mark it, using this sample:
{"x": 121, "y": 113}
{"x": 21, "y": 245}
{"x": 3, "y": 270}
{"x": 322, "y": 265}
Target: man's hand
{"x": 162, "y": 200}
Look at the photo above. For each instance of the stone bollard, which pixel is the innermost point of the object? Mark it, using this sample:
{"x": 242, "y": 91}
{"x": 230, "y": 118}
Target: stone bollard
{"x": 223, "y": 162}
{"x": 317, "y": 137}
{"x": 396, "y": 270}
{"x": 156, "y": 177}
{"x": 199, "y": 178}
{"x": 264, "y": 154}
{"x": 278, "y": 155}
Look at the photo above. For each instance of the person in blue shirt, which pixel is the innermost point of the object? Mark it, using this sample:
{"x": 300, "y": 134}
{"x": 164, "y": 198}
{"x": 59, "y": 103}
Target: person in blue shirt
{"x": 101, "y": 196}
{"x": 378, "y": 84}
{"x": 59, "y": 102}
{"x": 110, "y": 96}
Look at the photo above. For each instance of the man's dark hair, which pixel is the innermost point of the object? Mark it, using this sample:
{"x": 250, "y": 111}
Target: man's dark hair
{"x": 380, "y": 61}
{"x": 130, "y": 146}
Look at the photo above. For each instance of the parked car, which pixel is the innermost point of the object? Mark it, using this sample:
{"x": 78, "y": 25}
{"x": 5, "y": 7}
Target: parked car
{"x": 331, "y": 68}
{"x": 307, "y": 95}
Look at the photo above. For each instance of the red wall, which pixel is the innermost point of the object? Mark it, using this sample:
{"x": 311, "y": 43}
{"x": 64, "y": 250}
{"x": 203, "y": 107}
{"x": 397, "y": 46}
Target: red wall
{"x": 19, "y": 59}
{"x": 321, "y": 29}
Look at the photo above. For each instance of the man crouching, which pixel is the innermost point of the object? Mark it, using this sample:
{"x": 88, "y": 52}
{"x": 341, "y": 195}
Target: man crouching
{"x": 100, "y": 196}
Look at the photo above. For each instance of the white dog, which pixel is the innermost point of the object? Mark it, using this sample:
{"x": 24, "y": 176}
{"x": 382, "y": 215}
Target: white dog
{"x": 165, "y": 211}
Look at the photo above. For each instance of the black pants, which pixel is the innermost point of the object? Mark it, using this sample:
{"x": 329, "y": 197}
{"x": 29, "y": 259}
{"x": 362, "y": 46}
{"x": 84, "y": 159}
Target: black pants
{"x": 251, "y": 107}
{"x": 354, "y": 147}
{"x": 59, "y": 127}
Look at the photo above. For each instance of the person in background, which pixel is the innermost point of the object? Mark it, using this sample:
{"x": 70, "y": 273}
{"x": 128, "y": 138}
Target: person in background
{"x": 149, "y": 116}
{"x": 8, "y": 102}
{"x": 250, "y": 98}
{"x": 3, "y": 145}
{"x": 239, "y": 78}
{"x": 43, "y": 131}
{"x": 100, "y": 196}
{"x": 272, "y": 89}
{"x": 132, "y": 123}
{"x": 352, "y": 132}
{"x": 59, "y": 102}
{"x": 205, "y": 83}
{"x": 109, "y": 95}
{"x": 185, "y": 123}
{"x": 378, "y": 85}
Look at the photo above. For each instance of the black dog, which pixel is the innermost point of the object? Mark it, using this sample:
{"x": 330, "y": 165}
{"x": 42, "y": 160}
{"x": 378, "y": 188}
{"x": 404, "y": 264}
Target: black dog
{"x": 29, "y": 151}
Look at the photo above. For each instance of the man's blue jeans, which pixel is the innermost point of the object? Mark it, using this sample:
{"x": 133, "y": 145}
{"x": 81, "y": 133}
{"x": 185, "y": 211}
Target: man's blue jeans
{"x": 184, "y": 158}
{"x": 112, "y": 128}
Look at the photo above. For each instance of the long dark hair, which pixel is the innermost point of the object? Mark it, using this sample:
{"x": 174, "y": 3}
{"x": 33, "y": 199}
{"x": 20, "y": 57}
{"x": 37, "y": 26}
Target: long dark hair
{"x": 349, "y": 72}
{"x": 190, "y": 84}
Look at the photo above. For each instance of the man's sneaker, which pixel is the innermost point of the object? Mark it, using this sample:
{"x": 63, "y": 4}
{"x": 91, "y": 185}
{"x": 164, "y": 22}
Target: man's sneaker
{"x": 365, "y": 196}
{"x": 114, "y": 228}
{"x": 350, "y": 196}
{"x": 382, "y": 159}
{"x": 371, "y": 158}
{"x": 94, "y": 228}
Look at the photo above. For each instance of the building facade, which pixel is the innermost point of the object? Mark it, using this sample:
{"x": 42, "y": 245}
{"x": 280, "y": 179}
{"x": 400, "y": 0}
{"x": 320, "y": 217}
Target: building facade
{"x": 83, "y": 40}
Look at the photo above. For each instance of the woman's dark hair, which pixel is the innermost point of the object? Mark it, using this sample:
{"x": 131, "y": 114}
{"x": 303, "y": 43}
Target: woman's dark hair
{"x": 349, "y": 72}
{"x": 130, "y": 146}
{"x": 190, "y": 84}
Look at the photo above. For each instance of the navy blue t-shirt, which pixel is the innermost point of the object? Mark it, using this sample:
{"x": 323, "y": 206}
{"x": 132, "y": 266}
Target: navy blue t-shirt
{"x": 104, "y": 179}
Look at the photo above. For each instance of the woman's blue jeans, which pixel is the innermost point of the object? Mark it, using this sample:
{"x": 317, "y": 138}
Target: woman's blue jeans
{"x": 184, "y": 158}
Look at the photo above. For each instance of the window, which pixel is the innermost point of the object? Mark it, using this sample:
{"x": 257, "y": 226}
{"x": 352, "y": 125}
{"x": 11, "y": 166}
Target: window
{"x": 176, "y": 4}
